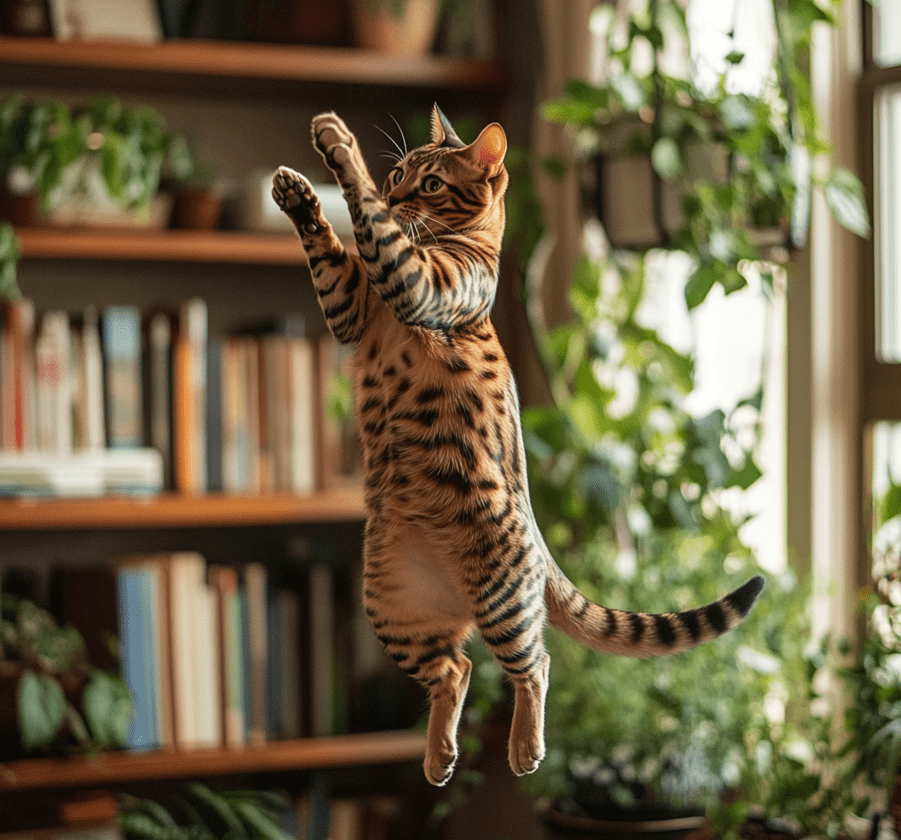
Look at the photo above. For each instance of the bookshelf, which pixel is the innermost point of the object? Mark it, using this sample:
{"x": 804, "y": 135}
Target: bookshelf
{"x": 123, "y": 768}
{"x": 212, "y": 75}
{"x": 173, "y": 510}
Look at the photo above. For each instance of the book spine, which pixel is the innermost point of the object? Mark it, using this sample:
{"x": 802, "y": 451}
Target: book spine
{"x": 136, "y": 596}
{"x": 121, "y": 329}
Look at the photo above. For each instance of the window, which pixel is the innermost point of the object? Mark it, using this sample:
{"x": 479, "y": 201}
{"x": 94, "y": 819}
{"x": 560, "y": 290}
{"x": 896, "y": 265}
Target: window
{"x": 881, "y": 312}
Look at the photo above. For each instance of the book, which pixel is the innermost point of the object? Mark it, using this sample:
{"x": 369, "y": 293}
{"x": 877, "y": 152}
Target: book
{"x": 18, "y": 374}
{"x": 224, "y": 582}
{"x": 321, "y": 612}
{"x": 301, "y": 416}
{"x": 53, "y": 384}
{"x": 255, "y": 584}
{"x": 189, "y": 377}
{"x": 213, "y": 416}
{"x": 186, "y": 591}
{"x": 137, "y": 593}
{"x": 158, "y": 389}
{"x": 284, "y": 664}
{"x": 121, "y": 338}
{"x": 88, "y": 417}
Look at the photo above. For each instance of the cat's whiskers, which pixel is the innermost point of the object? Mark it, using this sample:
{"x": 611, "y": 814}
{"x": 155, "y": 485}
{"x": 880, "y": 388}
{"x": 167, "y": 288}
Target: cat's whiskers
{"x": 402, "y": 151}
{"x": 403, "y": 139}
{"x": 428, "y": 218}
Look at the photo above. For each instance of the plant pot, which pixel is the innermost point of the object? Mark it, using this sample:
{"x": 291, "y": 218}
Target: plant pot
{"x": 195, "y": 208}
{"x": 647, "y": 821}
{"x": 303, "y": 22}
{"x": 21, "y": 210}
{"x": 412, "y": 33}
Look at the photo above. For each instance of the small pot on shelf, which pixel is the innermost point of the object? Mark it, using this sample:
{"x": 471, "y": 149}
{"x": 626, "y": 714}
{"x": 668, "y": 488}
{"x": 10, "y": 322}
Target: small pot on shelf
{"x": 196, "y": 208}
{"x": 395, "y": 27}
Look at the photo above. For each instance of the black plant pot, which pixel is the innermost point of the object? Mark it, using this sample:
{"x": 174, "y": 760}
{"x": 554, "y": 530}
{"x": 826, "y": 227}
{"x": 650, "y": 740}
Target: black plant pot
{"x": 642, "y": 821}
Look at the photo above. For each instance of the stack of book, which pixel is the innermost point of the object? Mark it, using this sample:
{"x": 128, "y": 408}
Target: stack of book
{"x": 248, "y": 413}
{"x": 221, "y": 655}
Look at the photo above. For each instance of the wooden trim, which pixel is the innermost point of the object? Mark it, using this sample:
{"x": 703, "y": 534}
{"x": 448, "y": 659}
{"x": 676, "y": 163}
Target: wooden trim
{"x": 303, "y": 754}
{"x": 173, "y": 510}
{"x": 210, "y": 65}
{"x": 213, "y": 246}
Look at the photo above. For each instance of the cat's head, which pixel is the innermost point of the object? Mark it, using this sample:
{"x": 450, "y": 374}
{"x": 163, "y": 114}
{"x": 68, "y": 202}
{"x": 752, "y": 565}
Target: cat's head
{"x": 448, "y": 186}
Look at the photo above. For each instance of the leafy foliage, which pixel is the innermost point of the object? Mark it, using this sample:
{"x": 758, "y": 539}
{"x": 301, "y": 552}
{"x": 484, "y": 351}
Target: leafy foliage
{"x": 60, "y": 698}
{"x": 203, "y": 814}
{"x": 50, "y": 148}
{"x": 772, "y": 154}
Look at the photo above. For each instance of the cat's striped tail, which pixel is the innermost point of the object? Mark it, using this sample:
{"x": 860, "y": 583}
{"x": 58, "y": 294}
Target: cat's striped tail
{"x": 641, "y": 634}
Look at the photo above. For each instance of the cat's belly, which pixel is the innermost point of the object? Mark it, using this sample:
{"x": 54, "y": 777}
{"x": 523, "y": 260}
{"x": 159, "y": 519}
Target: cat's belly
{"x": 416, "y": 577}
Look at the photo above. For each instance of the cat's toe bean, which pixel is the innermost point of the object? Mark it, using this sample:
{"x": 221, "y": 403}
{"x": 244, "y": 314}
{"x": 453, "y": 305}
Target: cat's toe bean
{"x": 439, "y": 769}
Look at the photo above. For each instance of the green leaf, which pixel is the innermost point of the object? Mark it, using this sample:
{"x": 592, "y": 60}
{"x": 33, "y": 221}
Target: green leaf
{"x": 745, "y": 476}
{"x": 666, "y": 158}
{"x": 9, "y": 261}
{"x": 845, "y": 197}
{"x": 700, "y": 283}
{"x": 41, "y": 705}
{"x": 108, "y": 709}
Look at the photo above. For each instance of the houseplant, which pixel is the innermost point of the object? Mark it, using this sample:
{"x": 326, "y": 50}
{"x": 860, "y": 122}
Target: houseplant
{"x": 72, "y": 161}
{"x": 204, "y": 814}
{"x": 629, "y": 486}
{"x": 50, "y": 696}
{"x": 761, "y": 150}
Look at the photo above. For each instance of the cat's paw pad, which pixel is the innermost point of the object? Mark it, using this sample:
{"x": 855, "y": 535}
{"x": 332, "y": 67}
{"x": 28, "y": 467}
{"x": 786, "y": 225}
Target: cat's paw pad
{"x": 526, "y": 756}
{"x": 333, "y": 139}
{"x": 439, "y": 767}
{"x": 294, "y": 195}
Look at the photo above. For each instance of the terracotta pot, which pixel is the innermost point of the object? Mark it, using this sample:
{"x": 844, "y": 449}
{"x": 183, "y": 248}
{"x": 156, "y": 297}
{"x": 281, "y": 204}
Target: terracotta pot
{"x": 411, "y": 34}
{"x": 21, "y": 210}
{"x": 196, "y": 209}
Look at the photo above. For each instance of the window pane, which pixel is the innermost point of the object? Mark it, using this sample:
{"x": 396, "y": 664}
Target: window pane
{"x": 886, "y": 540}
{"x": 888, "y": 227}
{"x": 887, "y": 32}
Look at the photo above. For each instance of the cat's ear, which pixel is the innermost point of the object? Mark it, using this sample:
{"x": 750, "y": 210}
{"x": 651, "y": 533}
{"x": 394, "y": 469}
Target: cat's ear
{"x": 443, "y": 133}
{"x": 490, "y": 146}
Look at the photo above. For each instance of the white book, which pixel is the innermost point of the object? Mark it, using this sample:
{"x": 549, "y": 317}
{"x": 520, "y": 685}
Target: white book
{"x": 302, "y": 409}
{"x": 186, "y": 582}
{"x": 53, "y": 389}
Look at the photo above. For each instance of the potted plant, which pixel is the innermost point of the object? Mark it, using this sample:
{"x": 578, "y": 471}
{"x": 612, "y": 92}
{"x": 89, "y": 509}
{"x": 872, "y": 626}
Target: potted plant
{"x": 628, "y": 485}
{"x": 72, "y": 160}
{"x": 50, "y": 696}
{"x": 705, "y": 165}
{"x": 398, "y": 27}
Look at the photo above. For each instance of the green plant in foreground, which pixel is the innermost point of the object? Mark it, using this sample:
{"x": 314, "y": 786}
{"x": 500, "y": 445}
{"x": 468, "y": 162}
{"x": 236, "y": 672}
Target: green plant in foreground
{"x": 204, "y": 814}
{"x": 58, "y": 693}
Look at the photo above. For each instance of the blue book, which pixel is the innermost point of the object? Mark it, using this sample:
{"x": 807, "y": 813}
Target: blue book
{"x": 121, "y": 338}
{"x": 136, "y": 600}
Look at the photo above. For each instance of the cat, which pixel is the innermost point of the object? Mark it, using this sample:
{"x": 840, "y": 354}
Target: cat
{"x": 451, "y": 544}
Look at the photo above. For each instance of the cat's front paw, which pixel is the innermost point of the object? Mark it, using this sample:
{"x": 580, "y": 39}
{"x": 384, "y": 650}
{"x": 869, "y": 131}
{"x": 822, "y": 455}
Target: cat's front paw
{"x": 335, "y": 142}
{"x": 294, "y": 195}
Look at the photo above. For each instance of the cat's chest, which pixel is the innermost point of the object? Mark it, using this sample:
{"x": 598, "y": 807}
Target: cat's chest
{"x": 428, "y": 408}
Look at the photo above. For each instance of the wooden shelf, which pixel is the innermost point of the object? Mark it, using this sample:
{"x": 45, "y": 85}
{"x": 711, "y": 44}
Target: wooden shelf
{"x": 213, "y": 246}
{"x": 180, "y": 511}
{"x": 121, "y": 768}
{"x": 197, "y": 66}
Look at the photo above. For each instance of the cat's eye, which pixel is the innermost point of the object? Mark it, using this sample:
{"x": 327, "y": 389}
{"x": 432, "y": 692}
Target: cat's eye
{"x": 396, "y": 176}
{"x": 432, "y": 184}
